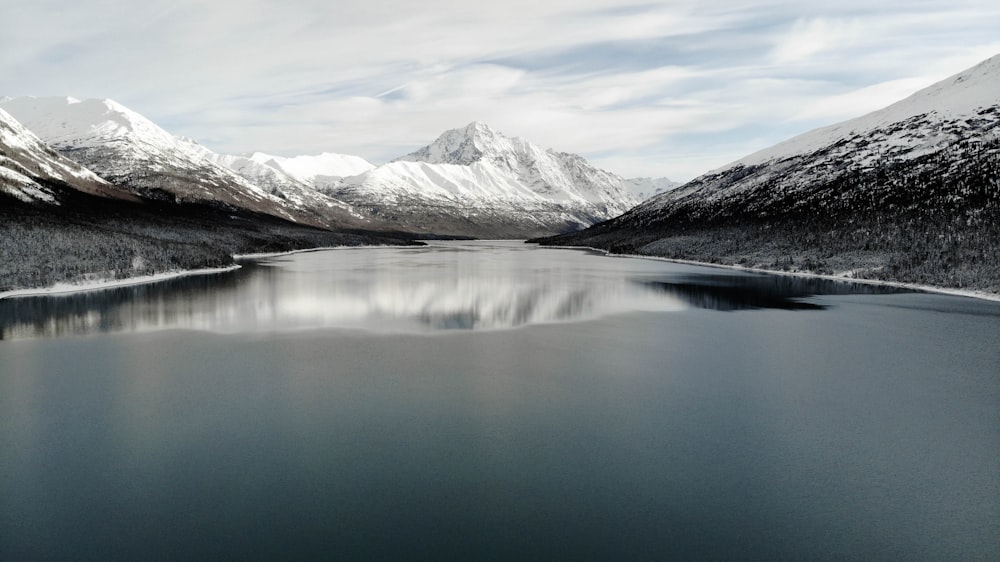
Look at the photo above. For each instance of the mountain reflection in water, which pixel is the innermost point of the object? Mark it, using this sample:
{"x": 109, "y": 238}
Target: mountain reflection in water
{"x": 756, "y": 291}
{"x": 446, "y": 286}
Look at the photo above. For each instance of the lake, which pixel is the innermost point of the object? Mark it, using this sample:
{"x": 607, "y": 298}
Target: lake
{"x": 496, "y": 400}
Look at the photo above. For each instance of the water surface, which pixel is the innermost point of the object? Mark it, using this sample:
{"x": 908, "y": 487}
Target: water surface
{"x": 445, "y": 286}
{"x": 498, "y": 401}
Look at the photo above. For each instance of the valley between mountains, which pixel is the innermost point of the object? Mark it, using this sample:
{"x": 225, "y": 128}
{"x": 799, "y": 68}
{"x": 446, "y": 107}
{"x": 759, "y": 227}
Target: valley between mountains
{"x": 91, "y": 190}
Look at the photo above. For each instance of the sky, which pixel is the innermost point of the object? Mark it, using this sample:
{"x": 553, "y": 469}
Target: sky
{"x": 657, "y": 89}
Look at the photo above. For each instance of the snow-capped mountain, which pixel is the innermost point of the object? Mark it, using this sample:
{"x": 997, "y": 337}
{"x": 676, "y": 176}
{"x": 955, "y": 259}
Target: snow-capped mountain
{"x": 299, "y": 190}
{"x": 29, "y": 168}
{"x": 557, "y": 176}
{"x": 320, "y": 170}
{"x": 644, "y": 188}
{"x": 129, "y": 150}
{"x": 910, "y": 193}
{"x": 959, "y": 114}
{"x": 474, "y": 181}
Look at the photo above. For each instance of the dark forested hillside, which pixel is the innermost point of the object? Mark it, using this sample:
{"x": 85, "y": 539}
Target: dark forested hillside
{"x": 932, "y": 220}
{"x": 907, "y": 193}
{"x": 88, "y": 238}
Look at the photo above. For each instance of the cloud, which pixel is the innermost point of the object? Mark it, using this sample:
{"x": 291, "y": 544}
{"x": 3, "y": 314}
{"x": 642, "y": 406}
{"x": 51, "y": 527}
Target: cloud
{"x": 809, "y": 37}
{"x": 654, "y": 87}
{"x": 864, "y": 100}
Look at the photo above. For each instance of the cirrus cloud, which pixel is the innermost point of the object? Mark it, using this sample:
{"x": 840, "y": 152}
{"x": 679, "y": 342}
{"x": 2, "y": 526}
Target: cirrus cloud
{"x": 653, "y": 88}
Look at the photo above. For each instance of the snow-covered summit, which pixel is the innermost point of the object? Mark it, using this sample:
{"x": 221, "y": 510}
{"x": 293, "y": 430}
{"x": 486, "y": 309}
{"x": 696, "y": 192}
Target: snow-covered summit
{"x": 27, "y": 163}
{"x": 558, "y": 176}
{"x": 935, "y": 129}
{"x": 467, "y": 145}
{"x": 67, "y": 121}
{"x": 128, "y": 149}
{"x": 316, "y": 170}
{"x": 476, "y": 181}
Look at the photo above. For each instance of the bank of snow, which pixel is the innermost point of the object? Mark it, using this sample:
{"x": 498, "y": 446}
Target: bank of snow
{"x": 846, "y": 277}
{"x": 98, "y": 285}
{"x": 263, "y": 255}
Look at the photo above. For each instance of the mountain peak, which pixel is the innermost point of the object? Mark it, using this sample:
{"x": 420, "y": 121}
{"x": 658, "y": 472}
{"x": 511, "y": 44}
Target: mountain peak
{"x": 27, "y": 160}
{"x": 480, "y": 128}
{"x": 64, "y": 121}
{"x": 465, "y": 146}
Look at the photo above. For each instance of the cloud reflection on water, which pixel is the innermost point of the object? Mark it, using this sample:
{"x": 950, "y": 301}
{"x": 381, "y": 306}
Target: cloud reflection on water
{"x": 447, "y": 286}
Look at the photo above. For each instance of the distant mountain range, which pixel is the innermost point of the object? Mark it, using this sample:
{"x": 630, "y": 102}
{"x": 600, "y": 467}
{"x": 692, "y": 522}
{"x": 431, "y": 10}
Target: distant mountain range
{"x": 908, "y": 193}
{"x": 133, "y": 153}
{"x": 93, "y": 190}
{"x": 469, "y": 182}
{"x": 28, "y": 166}
{"x": 476, "y": 181}
{"x": 62, "y": 222}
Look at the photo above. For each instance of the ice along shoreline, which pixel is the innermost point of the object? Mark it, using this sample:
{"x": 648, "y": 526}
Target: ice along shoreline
{"x": 72, "y": 288}
{"x": 982, "y": 295}
{"x": 100, "y": 285}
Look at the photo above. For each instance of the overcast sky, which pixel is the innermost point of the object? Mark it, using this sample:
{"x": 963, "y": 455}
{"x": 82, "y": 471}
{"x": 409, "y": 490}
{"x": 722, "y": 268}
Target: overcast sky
{"x": 641, "y": 89}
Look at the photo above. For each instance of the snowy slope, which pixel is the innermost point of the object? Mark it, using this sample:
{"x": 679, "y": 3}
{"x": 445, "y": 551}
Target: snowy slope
{"x": 300, "y": 193}
{"x": 925, "y": 114}
{"x": 321, "y": 170}
{"x": 478, "y": 182}
{"x": 128, "y": 149}
{"x": 947, "y": 116}
{"x": 27, "y": 164}
{"x": 909, "y": 193}
{"x": 555, "y": 175}
{"x": 644, "y": 188}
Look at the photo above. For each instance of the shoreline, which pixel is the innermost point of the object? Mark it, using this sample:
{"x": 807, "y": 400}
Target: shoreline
{"x": 263, "y": 255}
{"x": 88, "y": 286}
{"x": 70, "y": 288}
{"x": 982, "y": 295}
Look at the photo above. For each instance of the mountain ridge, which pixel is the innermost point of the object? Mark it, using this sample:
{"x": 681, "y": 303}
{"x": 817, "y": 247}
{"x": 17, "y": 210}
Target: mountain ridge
{"x": 128, "y": 150}
{"x": 475, "y": 181}
{"x": 62, "y": 223}
{"x": 909, "y": 193}
{"x": 28, "y": 167}
{"x": 470, "y": 181}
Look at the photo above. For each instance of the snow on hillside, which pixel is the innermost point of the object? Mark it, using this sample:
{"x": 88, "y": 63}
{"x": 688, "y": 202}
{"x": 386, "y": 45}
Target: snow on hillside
{"x": 274, "y": 180}
{"x": 473, "y": 176}
{"x": 961, "y": 110}
{"x": 555, "y": 175}
{"x": 644, "y": 188}
{"x": 507, "y": 186}
{"x": 478, "y": 182}
{"x": 128, "y": 149}
{"x": 319, "y": 170}
{"x": 72, "y": 122}
{"x": 954, "y": 98}
{"x": 122, "y": 145}
{"x": 908, "y": 193}
{"x": 25, "y": 161}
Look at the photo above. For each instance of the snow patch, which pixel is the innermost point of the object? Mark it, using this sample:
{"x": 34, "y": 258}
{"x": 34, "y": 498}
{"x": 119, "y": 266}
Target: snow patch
{"x": 101, "y": 284}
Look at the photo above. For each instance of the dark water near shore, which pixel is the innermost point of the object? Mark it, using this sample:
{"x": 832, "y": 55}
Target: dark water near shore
{"x": 498, "y": 401}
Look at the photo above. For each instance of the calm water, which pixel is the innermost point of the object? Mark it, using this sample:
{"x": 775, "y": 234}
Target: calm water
{"x": 498, "y": 401}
